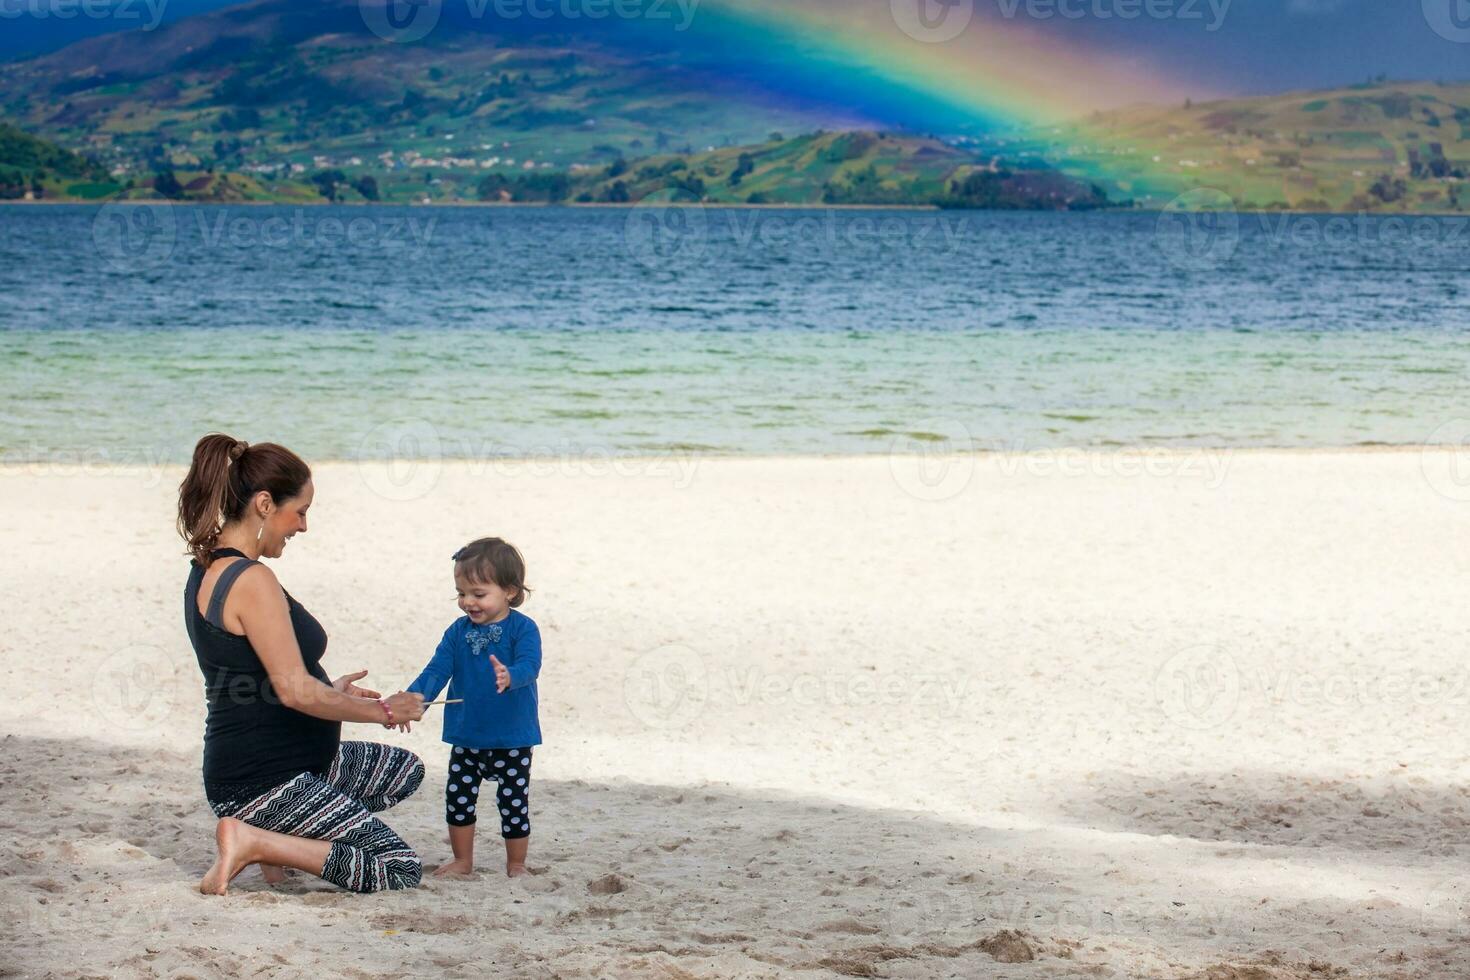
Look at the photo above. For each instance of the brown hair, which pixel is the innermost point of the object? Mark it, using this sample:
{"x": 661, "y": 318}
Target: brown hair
{"x": 497, "y": 561}
{"x": 224, "y": 474}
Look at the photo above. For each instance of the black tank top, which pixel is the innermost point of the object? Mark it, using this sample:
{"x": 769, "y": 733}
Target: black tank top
{"x": 252, "y": 742}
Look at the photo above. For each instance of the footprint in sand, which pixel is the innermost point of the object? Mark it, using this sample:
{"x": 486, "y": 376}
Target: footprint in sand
{"x": 609, "y": 884}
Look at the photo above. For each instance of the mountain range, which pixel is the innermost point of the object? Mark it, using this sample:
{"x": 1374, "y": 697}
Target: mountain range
{"x": 285, "y": 100}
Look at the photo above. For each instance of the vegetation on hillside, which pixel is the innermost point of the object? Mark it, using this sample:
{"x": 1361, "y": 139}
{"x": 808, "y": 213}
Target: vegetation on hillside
{"x": 30, "y": 166}
{"x": 1381, "y": 146}
{"x": 277, "y": 100}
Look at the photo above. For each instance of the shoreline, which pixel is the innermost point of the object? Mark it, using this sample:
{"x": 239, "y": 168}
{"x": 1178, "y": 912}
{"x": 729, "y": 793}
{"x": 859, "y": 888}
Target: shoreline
{"x": 721, "y": 205}
{"x": 1162, "y": 452}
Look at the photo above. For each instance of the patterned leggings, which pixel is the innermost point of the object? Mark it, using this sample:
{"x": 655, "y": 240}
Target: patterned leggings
{"x": 366, "y": 777}
{"x": 511, "y": 770}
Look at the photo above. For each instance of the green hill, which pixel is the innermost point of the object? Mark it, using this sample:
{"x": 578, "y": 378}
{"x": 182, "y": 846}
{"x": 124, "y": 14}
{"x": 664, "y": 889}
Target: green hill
{"x": 1402, "y": 146}
{"x": 283, "y": 100}
{"x": 279, "y": 88}
{"x": 852, "y": 168}
{"x": 35, "y": 168}
{"x": 840, "y": 169}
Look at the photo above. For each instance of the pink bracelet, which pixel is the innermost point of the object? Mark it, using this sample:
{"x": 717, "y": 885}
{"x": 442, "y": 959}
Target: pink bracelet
{"x": 389, "y": 711}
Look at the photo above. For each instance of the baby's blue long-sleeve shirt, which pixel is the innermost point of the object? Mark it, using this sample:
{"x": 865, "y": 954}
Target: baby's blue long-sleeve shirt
{"x": 486, "y": 719}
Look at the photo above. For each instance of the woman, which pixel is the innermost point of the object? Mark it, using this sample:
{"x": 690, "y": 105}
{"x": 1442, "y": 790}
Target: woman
{"x": 287, "y": 790}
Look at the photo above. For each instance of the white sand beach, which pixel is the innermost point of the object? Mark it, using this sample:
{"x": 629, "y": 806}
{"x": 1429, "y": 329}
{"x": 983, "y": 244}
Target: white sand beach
{"x": 1190, "y": 715}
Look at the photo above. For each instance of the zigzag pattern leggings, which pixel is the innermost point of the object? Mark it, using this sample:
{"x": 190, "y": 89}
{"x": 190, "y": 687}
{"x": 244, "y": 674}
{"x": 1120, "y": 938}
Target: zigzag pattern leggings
{"x": 366, "y": 777}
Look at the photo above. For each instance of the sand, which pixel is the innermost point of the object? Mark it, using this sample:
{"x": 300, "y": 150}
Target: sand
{"x": 1192, "y": 715}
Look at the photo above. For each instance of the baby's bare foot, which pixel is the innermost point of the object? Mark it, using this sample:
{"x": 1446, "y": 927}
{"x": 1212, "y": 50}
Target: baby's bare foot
{"x": 230, "y": 841}
{"x": 273, "y": 874}
{"x": 516, "y": 870}
{"x": 454, "y": 869}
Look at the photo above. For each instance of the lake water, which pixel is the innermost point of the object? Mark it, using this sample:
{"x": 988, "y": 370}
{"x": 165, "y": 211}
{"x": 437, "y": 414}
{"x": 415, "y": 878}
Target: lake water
{"x": 130, "y": 330}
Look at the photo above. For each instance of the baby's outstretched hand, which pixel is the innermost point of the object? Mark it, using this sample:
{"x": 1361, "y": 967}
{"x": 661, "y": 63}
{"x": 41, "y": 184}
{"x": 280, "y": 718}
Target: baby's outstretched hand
{"x": 502, "y": 675}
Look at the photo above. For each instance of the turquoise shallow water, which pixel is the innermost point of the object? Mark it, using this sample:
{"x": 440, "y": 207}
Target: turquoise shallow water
{"x": 515, "y": 331}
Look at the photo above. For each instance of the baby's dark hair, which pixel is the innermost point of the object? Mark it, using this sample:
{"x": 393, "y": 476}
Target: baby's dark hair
{"x": 494, "y": 560}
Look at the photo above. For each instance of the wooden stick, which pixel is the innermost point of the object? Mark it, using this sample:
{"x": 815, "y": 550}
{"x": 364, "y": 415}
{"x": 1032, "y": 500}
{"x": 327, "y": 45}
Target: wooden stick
{"x": 455, "y": 701}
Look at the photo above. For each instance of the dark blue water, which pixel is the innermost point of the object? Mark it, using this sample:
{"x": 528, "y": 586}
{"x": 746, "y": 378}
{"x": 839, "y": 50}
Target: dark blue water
{"x": 133, "y": 328}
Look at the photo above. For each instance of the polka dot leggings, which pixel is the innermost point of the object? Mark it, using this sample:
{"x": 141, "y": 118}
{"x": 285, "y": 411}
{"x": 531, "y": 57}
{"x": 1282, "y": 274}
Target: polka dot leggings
{"x": 511, "y": 770}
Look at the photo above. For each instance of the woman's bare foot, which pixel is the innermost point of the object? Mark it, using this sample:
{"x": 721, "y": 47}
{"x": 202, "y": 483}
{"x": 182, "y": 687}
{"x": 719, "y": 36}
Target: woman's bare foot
{"x": 454, "y": 869}
{"x": 273, "y": 874}
{"x": 231, "y": 839}
{"x": 516, "y": 870}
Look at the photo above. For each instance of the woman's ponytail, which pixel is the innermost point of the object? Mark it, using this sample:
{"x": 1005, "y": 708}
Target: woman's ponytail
{"x": 204, "y": 494}
{"x": 223, "y": 475}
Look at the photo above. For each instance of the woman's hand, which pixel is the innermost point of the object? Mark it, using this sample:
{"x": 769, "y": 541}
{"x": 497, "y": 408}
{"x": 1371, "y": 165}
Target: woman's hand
{"x": 345, "y": 685}
{"x": 406, "y": 707}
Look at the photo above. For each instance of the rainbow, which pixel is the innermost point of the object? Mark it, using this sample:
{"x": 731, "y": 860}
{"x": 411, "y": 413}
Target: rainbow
{"x": 996, "y": 75}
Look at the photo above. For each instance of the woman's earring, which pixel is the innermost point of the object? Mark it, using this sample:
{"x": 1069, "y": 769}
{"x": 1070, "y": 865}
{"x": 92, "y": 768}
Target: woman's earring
{"x": 261, "y": 531}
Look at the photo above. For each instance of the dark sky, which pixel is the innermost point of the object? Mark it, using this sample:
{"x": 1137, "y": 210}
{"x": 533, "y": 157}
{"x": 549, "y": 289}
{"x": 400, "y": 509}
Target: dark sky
{"x": 1258, "y": 46}
{"x": 1266, "y": 46}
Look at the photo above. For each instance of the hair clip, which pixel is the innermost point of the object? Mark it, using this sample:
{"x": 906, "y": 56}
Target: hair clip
{"x": 458, "y": 554}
